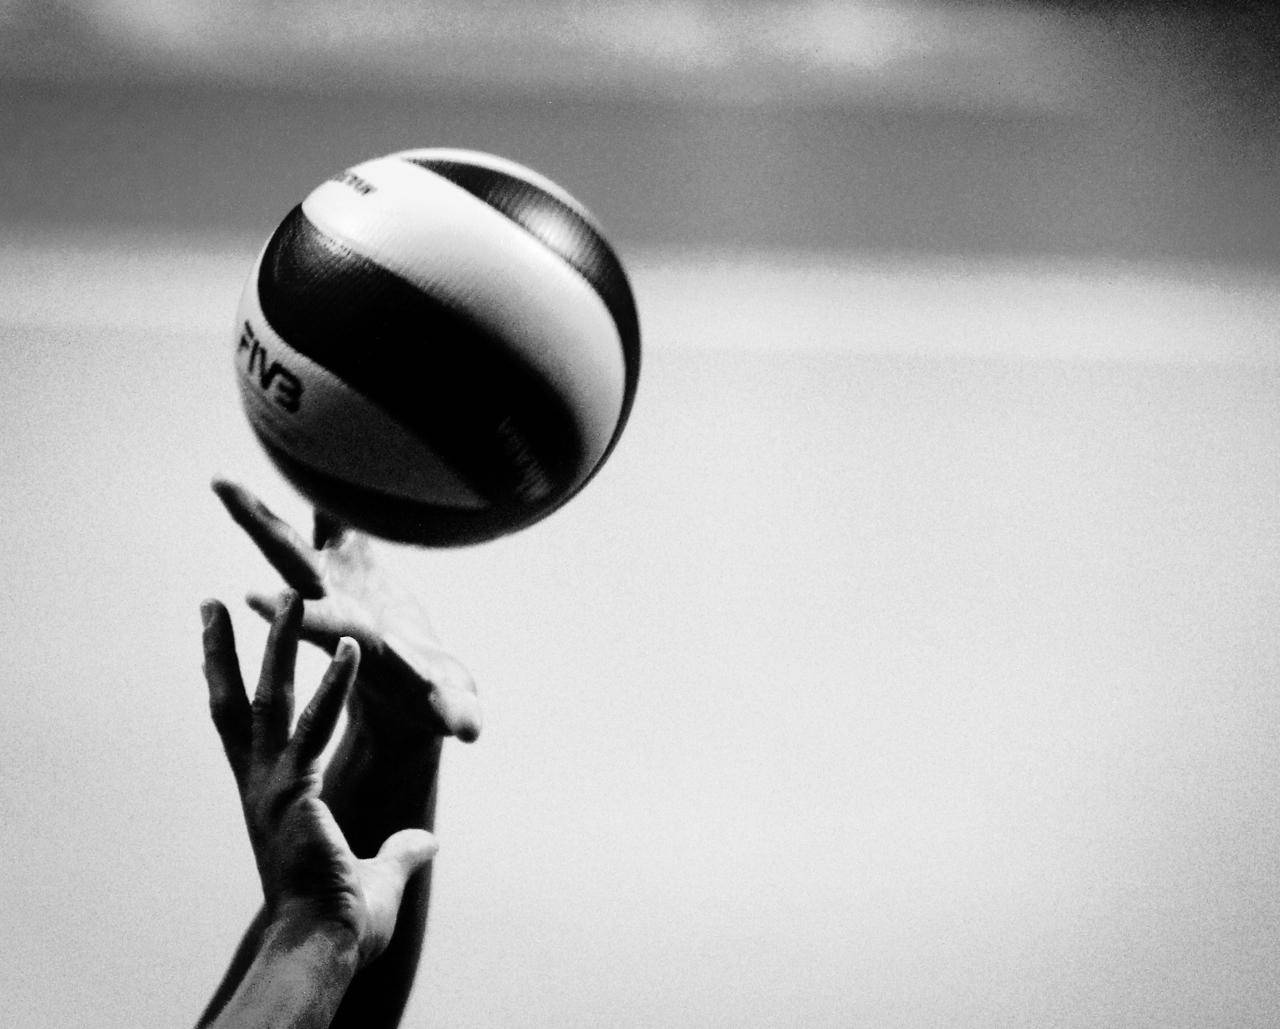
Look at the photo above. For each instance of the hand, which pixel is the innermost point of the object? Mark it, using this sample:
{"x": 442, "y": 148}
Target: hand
{"x": 310, "y": 877}
{"x": 408, "y": 681}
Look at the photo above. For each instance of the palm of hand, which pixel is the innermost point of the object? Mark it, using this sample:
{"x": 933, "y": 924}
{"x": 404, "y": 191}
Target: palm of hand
{"x": 300, "y": 852}
{"x": 407, "y": 678}
{"x": 305, "y": 863}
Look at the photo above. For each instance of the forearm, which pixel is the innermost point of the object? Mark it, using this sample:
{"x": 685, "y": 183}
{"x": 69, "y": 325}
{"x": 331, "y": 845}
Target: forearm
{"x": 246, "y": 953}
{"x": 296, "y": 980}
{"x": 382, "y": 778}
{"x": 378, "y": 782}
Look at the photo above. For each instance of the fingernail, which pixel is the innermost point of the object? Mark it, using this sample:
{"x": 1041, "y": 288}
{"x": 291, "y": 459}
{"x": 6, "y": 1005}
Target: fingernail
{"x": 207, "y": 609}
{"x": 347, "y": 650}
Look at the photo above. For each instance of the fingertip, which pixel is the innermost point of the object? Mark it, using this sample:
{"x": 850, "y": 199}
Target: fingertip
{"x": 424, "y": 844}
{"x": 261, "y": 604}
{"x": 460, "y": 714}
{"x": 215, "y": 621}
{"x": 208, "y": 612}
{"x": 411, "y": 849}
{"x": 289, "y": 609}
{"x": 344, "y": 664}
{"x": 226, "y": 490}
{"x": 348, "y": 650}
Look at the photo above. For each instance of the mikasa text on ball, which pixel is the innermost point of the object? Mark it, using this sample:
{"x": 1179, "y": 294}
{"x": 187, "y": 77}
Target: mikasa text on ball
{"x": 438, "y": 346}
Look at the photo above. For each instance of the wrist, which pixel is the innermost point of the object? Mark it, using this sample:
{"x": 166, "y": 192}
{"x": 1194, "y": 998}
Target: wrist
{"x": 297, "y": 979}
{"x": 326, "y": 945}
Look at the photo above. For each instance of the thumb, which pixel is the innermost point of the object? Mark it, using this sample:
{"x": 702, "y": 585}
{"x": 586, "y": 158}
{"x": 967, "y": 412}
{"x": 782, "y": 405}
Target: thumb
{"x": 408, "y": 851}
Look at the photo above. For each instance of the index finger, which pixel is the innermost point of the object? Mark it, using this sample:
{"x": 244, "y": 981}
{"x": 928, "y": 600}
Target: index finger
{"x": 287, "y": 552}
{"x": 227, "y": 701}
{"x": 319, "y": 719}
{"x": 272, "y": 707}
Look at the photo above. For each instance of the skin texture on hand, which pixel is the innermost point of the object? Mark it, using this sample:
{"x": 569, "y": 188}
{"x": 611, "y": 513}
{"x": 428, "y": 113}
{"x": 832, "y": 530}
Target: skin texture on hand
{"x": 308, "y": 871}
{"x": 296, "y": 980}
{"x": 410, "y": 680}
{"x": 408, "y": 695}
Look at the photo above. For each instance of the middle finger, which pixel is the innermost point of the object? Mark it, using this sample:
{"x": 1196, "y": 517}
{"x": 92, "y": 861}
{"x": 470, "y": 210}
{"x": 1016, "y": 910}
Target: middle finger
{"x": 273, "y": 701}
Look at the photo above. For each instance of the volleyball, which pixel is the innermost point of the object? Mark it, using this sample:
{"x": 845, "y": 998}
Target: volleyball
{"x": 438, "y": 346}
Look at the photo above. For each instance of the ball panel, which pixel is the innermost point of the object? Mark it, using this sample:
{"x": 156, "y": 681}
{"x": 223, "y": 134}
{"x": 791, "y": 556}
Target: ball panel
{"x": 495, "y": 162}
{"x": 494, "y": 421}
{"x": 499, "y": 181}
{"x": 462, "y": 347}
{"x": 397, "y": 518}
{"x": 556, "y": 224}
{"x": 454, "y": 246}
{"x": 306, "y": 410}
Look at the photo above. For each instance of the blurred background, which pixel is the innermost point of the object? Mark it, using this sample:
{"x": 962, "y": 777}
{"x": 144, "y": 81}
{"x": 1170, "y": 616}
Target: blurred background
{"x": 914, "y": 660}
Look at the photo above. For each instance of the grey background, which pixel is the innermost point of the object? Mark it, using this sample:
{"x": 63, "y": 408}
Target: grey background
{"x": 912, "y": 663}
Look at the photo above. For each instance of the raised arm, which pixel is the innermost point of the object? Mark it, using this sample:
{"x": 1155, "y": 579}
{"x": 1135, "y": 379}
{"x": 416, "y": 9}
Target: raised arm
{"x": 409, "y": 695}
{"x": 327, "y": 913}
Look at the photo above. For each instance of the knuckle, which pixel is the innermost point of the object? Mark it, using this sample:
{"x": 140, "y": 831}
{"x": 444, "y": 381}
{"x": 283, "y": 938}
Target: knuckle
{"x": 303, "y": 727}
{"x": 224, "y": 713}
{"x": 266, "y": 801}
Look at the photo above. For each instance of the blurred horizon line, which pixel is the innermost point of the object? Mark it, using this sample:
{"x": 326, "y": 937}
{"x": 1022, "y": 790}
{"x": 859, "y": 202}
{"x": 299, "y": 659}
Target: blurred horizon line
{"x": 908, "y": 306}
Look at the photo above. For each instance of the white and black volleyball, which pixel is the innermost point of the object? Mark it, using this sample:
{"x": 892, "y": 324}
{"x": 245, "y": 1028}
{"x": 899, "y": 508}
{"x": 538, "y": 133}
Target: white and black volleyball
{"x": 438, "y": 347}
